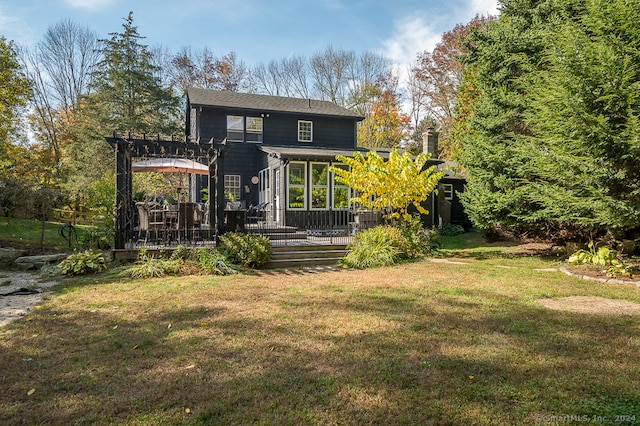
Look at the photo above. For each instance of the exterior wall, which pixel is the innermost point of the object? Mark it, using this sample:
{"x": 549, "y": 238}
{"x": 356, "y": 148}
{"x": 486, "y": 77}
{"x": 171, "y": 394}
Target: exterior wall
{"x": 458, "y": 216}
{"x": 279, "y": 129}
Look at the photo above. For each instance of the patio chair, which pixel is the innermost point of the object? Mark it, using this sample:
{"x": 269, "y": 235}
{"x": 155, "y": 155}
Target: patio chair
{"x": 150, "y": 220}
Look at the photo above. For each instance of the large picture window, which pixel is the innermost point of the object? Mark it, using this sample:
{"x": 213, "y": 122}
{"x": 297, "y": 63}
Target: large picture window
{"x": 305, "y": 131}
{"x": 296, "y": 188}
{"x": 319, "y": 186}
{"x": 341, "y": 193}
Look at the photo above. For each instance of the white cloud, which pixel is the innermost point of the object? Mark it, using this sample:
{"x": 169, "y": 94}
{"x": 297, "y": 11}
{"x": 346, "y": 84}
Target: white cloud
{"x": 14, "y": 28}
{"x": 411, "y": 36}
{"x": 89, "y": 4}
{"x": 484, "y": 7}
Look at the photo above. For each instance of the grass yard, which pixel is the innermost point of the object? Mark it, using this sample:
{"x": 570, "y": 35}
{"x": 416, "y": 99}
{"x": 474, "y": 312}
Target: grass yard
{"x": 26, "y": 234}
{"x": 459, "y": 341}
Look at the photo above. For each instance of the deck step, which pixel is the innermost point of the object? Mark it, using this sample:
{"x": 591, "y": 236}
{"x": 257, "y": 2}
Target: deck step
{"x": 305, "y": 255}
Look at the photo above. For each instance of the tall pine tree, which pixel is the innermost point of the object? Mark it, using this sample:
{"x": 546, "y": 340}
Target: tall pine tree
{"x": 551, "y": 133}
{"x": 127, "y": 88}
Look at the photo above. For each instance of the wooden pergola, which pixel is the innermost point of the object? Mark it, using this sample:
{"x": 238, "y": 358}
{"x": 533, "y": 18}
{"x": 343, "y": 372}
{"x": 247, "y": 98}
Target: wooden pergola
{"x": 126, "y": 148}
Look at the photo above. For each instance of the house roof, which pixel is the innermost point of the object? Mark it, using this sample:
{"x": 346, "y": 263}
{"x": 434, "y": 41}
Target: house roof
{"x": 266, "y": 103}
{"x": 307, "y": 154}
{"x": 322, "y": 154}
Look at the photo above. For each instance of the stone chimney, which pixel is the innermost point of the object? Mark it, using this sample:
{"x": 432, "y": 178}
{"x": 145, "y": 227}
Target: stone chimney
{"x": 430, "y": 142}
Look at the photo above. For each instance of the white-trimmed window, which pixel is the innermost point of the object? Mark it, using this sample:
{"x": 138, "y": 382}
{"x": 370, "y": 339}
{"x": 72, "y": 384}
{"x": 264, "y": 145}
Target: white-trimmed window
{"x": 254, "y": 129}
{"x": 305, "y": 131}
{"x": 232, "y": 185}
{"x": 235, "y": 128}
{"x": 447, "y": 190}
{"x": 264, "y": 192}
{"x": 244, "y": 129}
{"x": 341, "y": 193}
{"x": 319, "y": 186}
{"x": 297, "y": 187}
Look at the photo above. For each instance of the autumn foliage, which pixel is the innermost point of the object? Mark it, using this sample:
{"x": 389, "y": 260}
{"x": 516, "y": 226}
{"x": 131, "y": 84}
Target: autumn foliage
{"x": 392, "y": 185}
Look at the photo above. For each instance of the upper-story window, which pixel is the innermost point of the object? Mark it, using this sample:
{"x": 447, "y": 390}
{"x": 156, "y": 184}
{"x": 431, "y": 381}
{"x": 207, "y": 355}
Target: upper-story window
{"x": 305, "y": 131}
{"x": 254, "y": 129}
{"x": 244, "y": 129}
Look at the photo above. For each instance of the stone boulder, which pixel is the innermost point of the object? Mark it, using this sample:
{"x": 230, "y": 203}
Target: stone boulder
{"x": 36, "y": 263}
{"x": 8, "y": 255}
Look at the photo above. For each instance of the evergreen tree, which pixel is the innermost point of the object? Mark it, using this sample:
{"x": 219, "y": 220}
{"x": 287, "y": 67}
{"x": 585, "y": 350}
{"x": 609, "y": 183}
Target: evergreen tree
{"x": 585, "y": 117}
{"x": 128, "y": 94}
{"x": 505, "y": 58}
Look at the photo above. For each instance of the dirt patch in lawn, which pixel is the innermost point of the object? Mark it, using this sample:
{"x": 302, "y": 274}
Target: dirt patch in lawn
{"x": 14, "y": 303}
{"x": 592, "y": 305}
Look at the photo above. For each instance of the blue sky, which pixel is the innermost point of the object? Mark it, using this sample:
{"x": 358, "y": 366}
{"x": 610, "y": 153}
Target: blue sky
{"x": 257, "y": 30}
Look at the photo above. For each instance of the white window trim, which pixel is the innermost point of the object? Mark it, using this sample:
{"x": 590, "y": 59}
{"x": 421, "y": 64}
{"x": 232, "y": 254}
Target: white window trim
{"x": 236, "y": 190}
{"x": 326, "y": 186}
{"x": 310, "y": 140}
{"x": 335, "y": 185}
{"x": 303, "y": 186}
{"x": 447, "y": 188}
{"x": 239, "y": 131}
{"x": 253, "y": 132}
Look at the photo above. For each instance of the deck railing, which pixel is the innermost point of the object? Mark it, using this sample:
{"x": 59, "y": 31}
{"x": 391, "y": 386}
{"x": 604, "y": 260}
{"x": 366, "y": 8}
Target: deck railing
{"x": 282, "y": 227}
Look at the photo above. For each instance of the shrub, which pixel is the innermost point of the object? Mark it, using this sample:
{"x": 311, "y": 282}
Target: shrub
{"x": 418, "y": 239}
{"x": 450, "y": 230}
{"x": 184, "y": 253}
{"x": 214, "y": 262}
{"x": 374, "y": 247}
{"x": 149, "y": 267}
{"x": 248, "y": 250}
{"x": 603, "y": 257}
{"x": 86, "y": 262}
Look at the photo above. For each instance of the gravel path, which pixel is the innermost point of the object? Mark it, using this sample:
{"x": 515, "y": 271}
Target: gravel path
{"x": 16, "y": 306}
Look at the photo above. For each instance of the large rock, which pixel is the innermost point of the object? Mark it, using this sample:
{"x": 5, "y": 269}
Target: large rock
{"x": 30, "y": 263}
{"x": 9, "y": 254}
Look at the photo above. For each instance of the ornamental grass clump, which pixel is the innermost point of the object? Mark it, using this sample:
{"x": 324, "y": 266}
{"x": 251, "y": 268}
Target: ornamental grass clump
{"x": 150, "y": 267}
{"x": 375, "y": 247}
{"x": 213, "y": 262}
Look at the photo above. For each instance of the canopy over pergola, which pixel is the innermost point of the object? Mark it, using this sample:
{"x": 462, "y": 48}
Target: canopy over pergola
{"x": 171, "y": 165}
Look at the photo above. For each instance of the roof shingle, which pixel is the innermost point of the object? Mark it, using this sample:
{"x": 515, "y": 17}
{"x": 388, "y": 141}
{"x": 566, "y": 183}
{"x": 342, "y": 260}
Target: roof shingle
{"x": 266, "y": 103}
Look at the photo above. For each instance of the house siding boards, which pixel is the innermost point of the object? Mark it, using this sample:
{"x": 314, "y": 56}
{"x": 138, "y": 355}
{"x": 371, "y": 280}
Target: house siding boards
{"x": 278, "y": 129}
{"x": 334, "y": 130}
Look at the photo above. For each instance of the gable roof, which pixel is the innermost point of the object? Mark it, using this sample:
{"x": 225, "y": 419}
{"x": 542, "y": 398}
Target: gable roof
{"x": 266, "y": 103}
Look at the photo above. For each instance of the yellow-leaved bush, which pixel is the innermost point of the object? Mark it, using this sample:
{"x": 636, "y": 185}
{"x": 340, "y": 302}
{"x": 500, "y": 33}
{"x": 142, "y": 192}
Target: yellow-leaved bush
{"x": 391, "y": 185}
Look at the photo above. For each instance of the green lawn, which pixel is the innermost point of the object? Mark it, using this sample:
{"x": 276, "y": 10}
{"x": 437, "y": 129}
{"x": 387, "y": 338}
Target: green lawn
{"x": 26, "y": 234}
{"x": 459, "y": 341}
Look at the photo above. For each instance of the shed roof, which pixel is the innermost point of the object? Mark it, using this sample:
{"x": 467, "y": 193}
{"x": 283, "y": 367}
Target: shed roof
{"x": 266, "y": 103}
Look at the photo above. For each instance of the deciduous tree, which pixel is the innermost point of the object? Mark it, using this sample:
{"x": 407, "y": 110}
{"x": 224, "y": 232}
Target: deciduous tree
{"x": 391, "y": 185}
{"x": 15, "y": 90}
{"x": 436, "y": 77}
{"x": 385, "y": 126}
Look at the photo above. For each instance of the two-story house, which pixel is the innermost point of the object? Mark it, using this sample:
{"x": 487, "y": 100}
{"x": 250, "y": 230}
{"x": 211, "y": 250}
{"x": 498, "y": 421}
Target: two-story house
{"x": 278, "y": 151}
{"x": 270, "y": 154}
